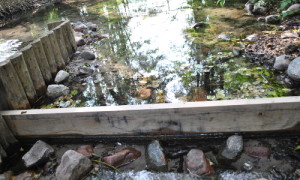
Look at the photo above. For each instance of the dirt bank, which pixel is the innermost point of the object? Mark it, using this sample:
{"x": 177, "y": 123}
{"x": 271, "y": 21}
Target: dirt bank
{"x": 12, "y": 9}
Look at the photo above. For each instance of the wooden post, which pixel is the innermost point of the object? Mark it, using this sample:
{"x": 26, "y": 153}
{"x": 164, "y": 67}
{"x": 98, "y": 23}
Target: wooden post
{"x": 49, "y": 54}
{"x": 24, "y": 76}
{"x": 55, "y": 49}
{"x": 34, "y": 70}
{"x": 15, "y": 93}
{"x": 7, "y": 139}
{"x": 54, "y": 24}
{"x": 61, "y": 43}
{"x": 71, "y": 36}
{"x": 65, "y": 34}
{"x": 3, "y": 101}
{"x": 42, "y": 60}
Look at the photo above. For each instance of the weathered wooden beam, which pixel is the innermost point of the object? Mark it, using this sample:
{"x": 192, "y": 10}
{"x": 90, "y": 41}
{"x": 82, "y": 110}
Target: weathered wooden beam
{"x": 21, "y": 69}
{"x": 61, "y": 43}
{"x": 54, "y": 24}
{"x": 49, "y": 54}
{"x": 66, "y": 36}
{"x": 42, "y": 60}
{"x": 34, "y": 70}
{"x": 3, "y": 98}
{"x": 271, "y": 114}
{"x": 15, "y": 94}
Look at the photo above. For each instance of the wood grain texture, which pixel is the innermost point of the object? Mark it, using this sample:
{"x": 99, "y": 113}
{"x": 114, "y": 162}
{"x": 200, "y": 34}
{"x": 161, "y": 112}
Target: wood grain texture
{"x": 55, "y": 50}
{"x": 21, "y": 69}
{"x": 201, "y": 117}
{"x": 7, "y": 138}
{"x": 14, "y": 91}
{"x": 49, "y": 54}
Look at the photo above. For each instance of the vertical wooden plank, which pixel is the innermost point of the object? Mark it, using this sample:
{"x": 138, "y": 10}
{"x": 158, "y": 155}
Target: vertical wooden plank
{"x": 54, "y": 24}
{"x": 3, "y": 98}
{"x": 15, "y": 93}
{"x": 55, "y": 49}
{"x": 42, "y": 60}
{"x": 34, "y": 70}
{"x": 49, "y": 54}
{"x": 71, "y": 36}
{"x": 65, "y": 34}
{"x": 7, "y": 138}
{"x": 24, "y": 76}
{"x": 61, "y": 43}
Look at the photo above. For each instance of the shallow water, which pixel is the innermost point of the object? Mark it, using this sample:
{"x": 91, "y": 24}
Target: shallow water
{"x": 153, "y": 55}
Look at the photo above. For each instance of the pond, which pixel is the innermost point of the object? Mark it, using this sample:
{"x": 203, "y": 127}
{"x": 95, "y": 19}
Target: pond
{"x": 152, "y": 53}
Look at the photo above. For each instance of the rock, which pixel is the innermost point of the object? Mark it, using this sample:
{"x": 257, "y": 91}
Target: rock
{"x": 282, "y": 62}
{"x": 294, "y": 69}
{"x": 257, "y": 151}
{"x": 248, "y": 166}
{"x": 91, "y": 26}
{"x": 234, "y": 145}
{"x": 39, "y": 153}
{"x": 261, "y": 19}
{"x": 197, "y": 164}
{"x": 79, "y": 41}
{"x": 199, "y": 25}
{"x": 259, "y": 10}
{"x": 61, "y": 76}
{"x": 252, "y": 37}
{"x": 55, "y": 91}
{"x": 73, "y": 166}
{"x": 291, "y": 48}
{"x": 86, "y": 150}
{"x": 88, "y": 55}
{"x": 155, "y": 157}
{"x": 294, "y": 7}
{"x": 225, "y": 36}
{"x": 85, "y": 71}
{"x": 289, "y": 35}
{"x": 249, "y": 7}
{"x": 122, "y": 157}
{"x": 272, "y": 19}
{"x": 99, "y": 36}
{"x": 80, "y": 27}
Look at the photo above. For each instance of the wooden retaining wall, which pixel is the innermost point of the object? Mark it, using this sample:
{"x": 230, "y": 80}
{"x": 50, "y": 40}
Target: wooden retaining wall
{"x": 25, "y": 75}
{"x": 256, "y": 115}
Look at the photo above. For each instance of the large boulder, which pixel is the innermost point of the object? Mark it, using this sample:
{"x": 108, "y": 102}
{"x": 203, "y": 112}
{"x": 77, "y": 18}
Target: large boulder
{"x": 197, "y": 164}
{"x": 234, "y": 146}
{"x": 294, "y": 69}
{"x": 55, "y": 91}
{"x": 272, "y": 19}
{"x": 156, "y": 159}
{"x": 73, "y": 166}
{"x": 39, "y": 153}
{"x": 61, "y": 76}
{"x": 282, "y": 62}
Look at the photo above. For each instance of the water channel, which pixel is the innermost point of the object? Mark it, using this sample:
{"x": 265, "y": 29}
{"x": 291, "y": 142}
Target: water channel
{"x": 153, "y": 55}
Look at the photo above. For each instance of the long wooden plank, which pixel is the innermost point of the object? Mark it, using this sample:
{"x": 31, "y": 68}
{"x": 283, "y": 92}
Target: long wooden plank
{"x": 270, "y": 114}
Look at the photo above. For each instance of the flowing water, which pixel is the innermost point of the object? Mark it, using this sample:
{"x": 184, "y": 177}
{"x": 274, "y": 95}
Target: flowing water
{"x": 153, "y": 55}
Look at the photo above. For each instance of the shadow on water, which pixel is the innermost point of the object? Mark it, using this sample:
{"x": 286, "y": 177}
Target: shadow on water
{"x": 153, "y": 55}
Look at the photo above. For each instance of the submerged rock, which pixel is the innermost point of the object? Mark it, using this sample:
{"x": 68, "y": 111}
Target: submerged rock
{"x": 261, "y": 19}
{"x": 88, "y": 55}
{"x": 73, "y": 166}
{"x": 234, "y": 146}
{"x": 39, "y": 153}
{"x": 122, "y": 157}
{"x": 91, "y": 26}
{"x": 155, "y": 157}
{"x": 199, "y": 25}
{"x": 80, "y": 27}
{"x": 197, "y": 164}
{"x": 272, "y": 19}
{"x": 294, "y": 69}
{"x": 282, "y": 62}
{"x": 61, "y": 76}
{"x": 257, "y": 151}
{"x": 55, "y": 91}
